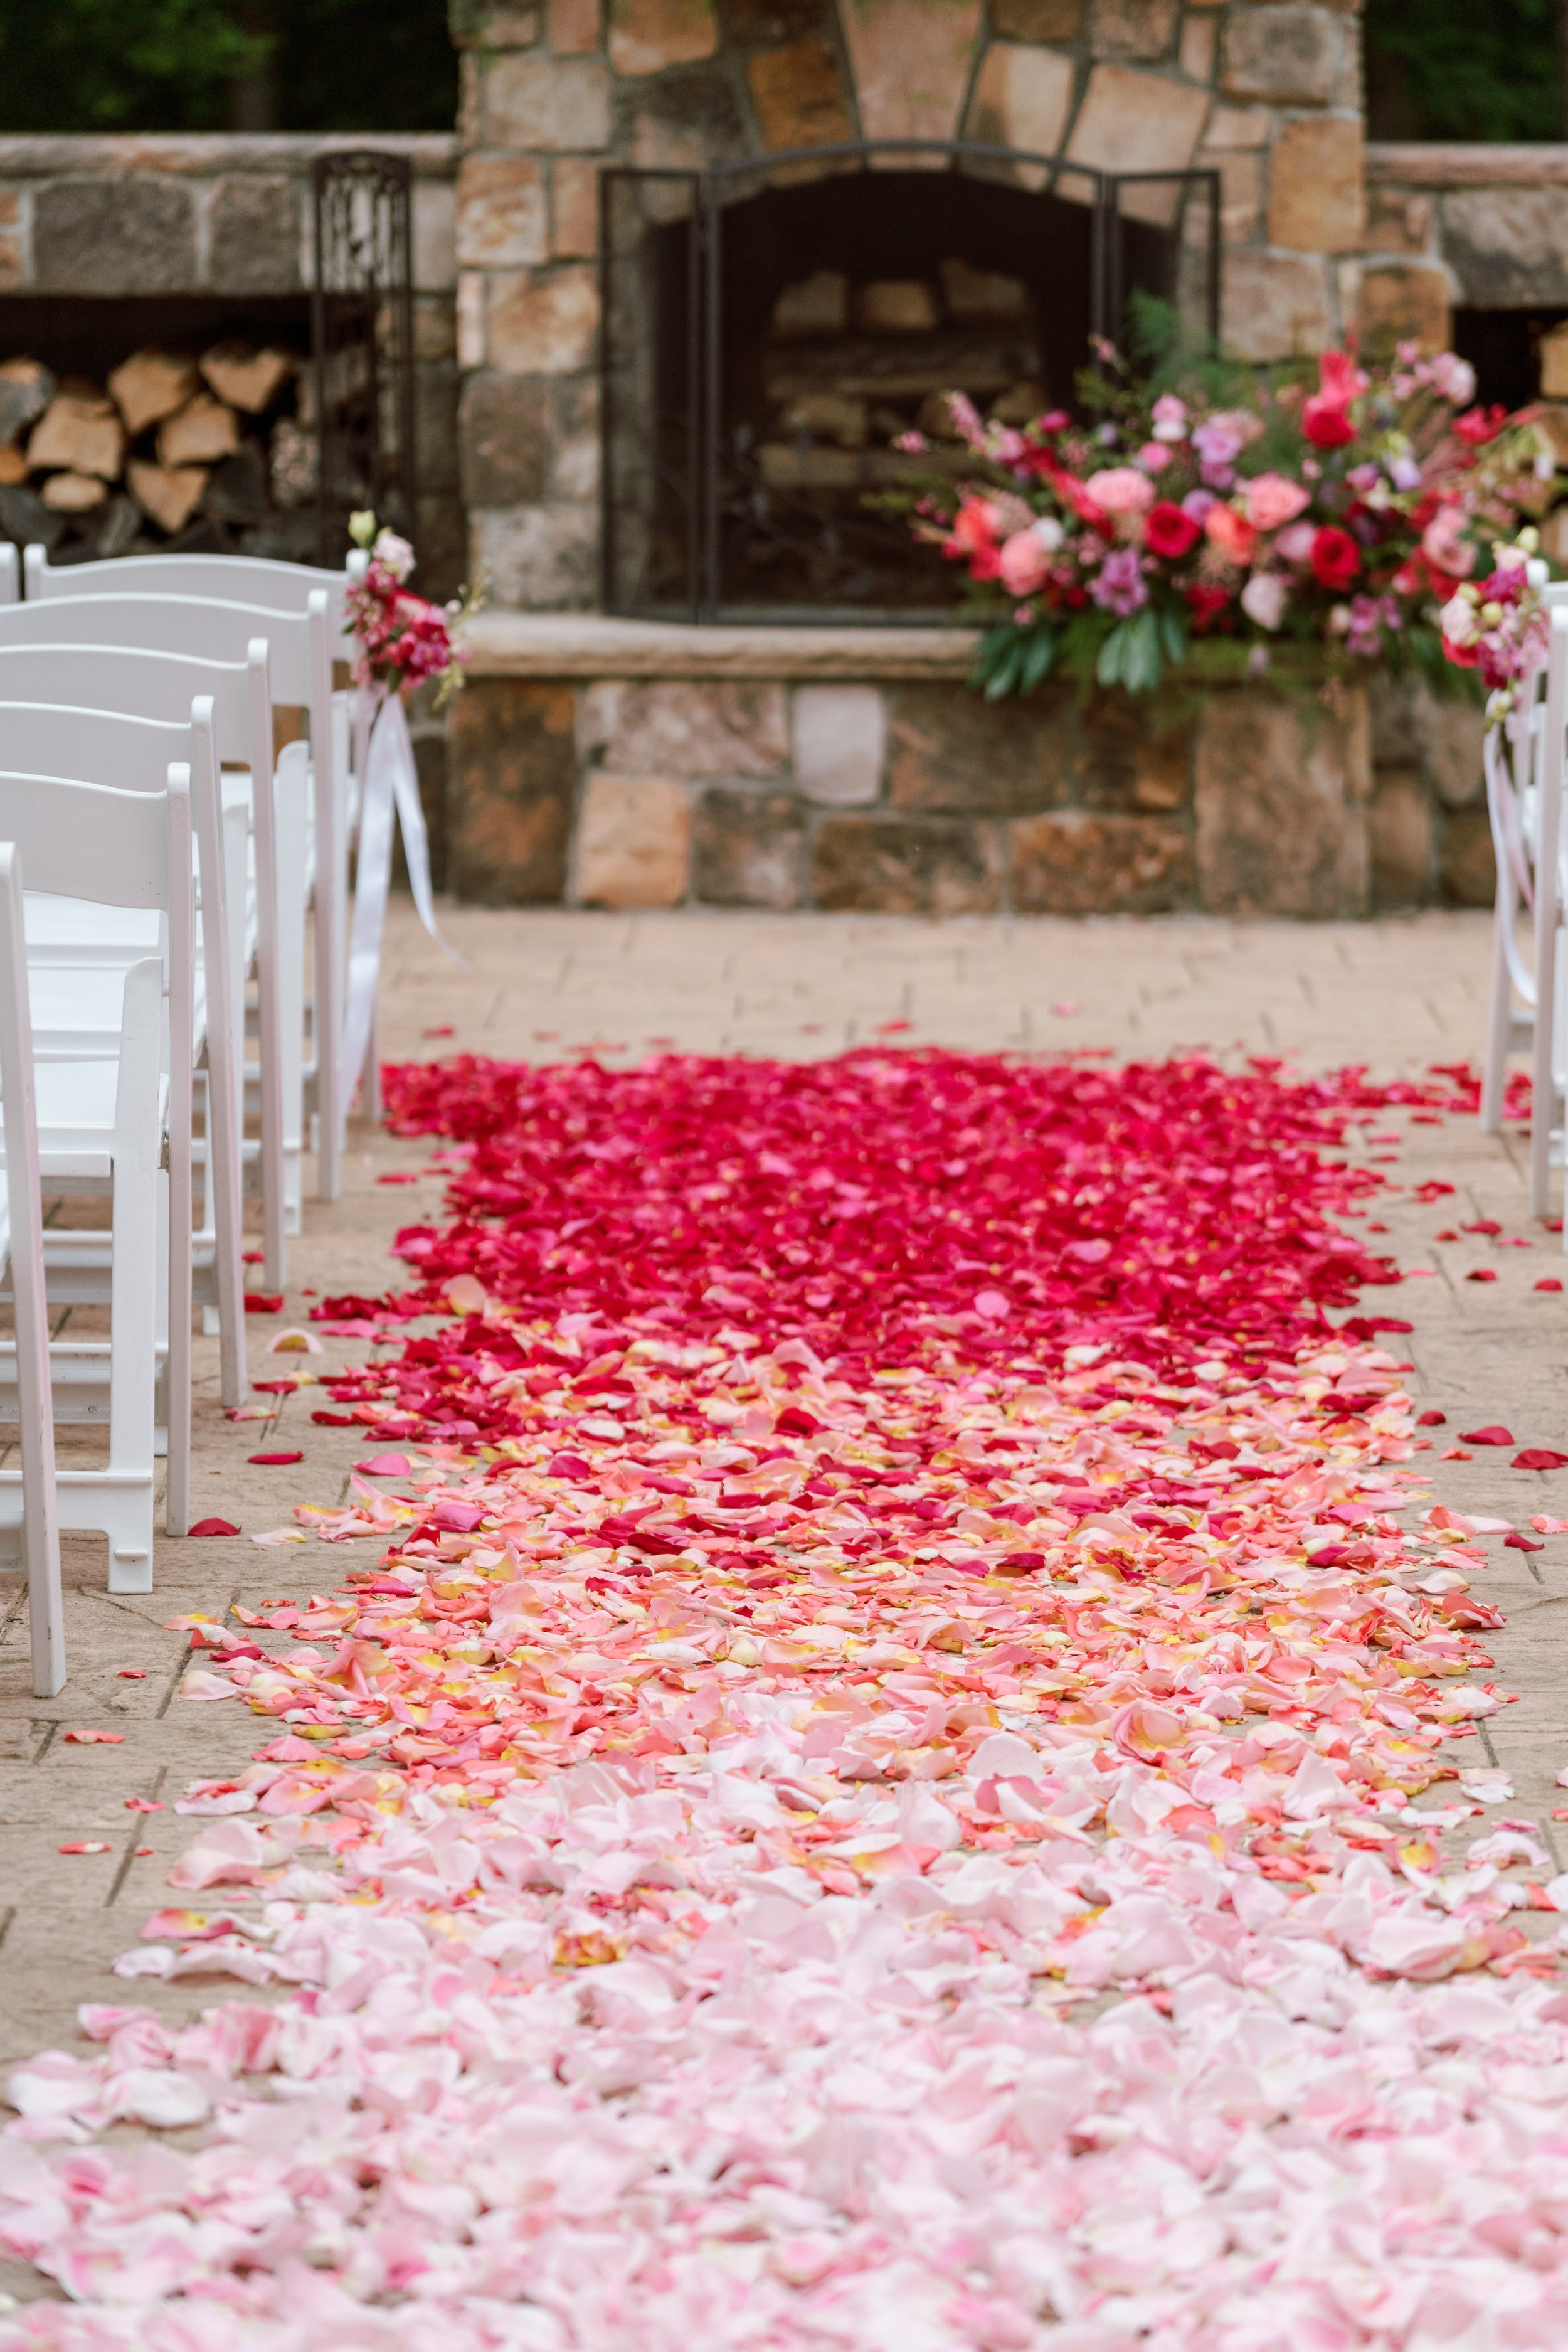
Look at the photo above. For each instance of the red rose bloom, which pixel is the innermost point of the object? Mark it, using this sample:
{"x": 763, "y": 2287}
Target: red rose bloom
{"x": 1336, "y": 558}
{"x": 1326, "y": 423}
{"x": 1169, "y": 530}
{"x": 1480, "y": 425}
{"x": 1206, "y": 604}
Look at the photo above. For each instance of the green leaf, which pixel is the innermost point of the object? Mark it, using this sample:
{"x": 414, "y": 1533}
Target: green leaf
{"x": 1003, "y": 670}
{"x": 1108, "y": 669}
{"x": 1173, "y": 634}
{"x": 1040, "y": 659}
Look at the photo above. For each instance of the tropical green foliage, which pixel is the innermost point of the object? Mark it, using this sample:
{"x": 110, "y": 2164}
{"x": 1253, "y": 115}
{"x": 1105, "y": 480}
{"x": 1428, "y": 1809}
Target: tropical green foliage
{"x": 1449, "y": 69}
{"x": 169, "y": 65}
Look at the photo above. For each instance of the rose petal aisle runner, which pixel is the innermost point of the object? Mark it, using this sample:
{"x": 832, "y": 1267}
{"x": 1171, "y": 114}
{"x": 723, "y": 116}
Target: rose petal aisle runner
{"x": 886, "y": 1792}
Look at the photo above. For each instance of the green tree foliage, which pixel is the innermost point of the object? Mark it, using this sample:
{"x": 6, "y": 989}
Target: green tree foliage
{"x": 172, "y": 65}
{"x": 1451, "y": 70}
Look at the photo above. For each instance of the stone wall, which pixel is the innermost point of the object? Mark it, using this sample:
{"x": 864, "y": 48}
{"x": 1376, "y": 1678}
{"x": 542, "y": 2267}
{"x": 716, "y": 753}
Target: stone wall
{"x": 624, "y": 765}
{"x": 176, "y": 215}
{"x": 1267, "y": 92}
{"x": 1485, "y": 226}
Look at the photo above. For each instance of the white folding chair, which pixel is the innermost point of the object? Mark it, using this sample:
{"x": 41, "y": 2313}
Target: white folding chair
{"x": 260, "y": 585}
{"x": 30, "y": 1506}
{"x": 164, "y": 687}
{"x": 295, "y": 659}
{"x": 101, "y": 1124}
{"x": 75, "y": 984}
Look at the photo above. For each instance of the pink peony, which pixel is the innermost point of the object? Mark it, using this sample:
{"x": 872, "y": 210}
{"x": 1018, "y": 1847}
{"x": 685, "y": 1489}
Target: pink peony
{"x": 1022, "y": 563}
{"x": 1272, "y": 500}
{"x": 1121, "y": 490}
{"x": 1154, "y": 456}
{"x": 1295, "y": 542}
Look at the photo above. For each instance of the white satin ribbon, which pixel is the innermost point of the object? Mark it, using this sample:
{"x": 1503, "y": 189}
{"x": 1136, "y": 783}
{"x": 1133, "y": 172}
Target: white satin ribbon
{"x": 389, "y": 787}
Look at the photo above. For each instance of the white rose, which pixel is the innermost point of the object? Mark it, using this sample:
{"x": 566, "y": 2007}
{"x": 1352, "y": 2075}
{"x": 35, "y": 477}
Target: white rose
{"x": 395, "y": 552}
{"x": 1048, "y": 532}
{"x": 1263, "y": 599}
{"x": 1460, "y": 621}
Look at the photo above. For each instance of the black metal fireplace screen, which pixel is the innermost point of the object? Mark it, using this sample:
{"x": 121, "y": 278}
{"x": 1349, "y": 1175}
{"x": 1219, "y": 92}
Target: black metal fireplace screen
{"x": 773, "y": 327}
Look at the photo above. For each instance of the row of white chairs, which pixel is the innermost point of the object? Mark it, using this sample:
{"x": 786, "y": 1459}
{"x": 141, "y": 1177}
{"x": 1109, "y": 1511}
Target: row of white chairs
{"x": 171, "y": 975}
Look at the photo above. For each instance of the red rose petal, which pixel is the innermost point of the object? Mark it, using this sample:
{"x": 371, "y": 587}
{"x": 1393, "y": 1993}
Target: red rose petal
{"x": 1431, "y": 1420}
{"x": 273, "y": 1461}
{"x": 89, "y": 1739}
{"x": 214, "y": 1527}
{"x": 264, "y": 1302}
{"x": 1493, "y": 1434}
{"x": 1539, "y": 1457}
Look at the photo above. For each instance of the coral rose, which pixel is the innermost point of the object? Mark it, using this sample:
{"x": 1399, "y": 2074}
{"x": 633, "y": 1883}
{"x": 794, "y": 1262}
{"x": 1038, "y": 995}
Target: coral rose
{"x": 1272, "y": 501}
{"x": 1168, "y": 531}
{"x": 1231, "y": 532}
{"x": 1336, "y": 558}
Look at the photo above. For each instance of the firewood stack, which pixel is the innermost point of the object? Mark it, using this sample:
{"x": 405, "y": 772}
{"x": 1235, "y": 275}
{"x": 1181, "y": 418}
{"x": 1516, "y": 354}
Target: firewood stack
{"x": 207, "y": 454}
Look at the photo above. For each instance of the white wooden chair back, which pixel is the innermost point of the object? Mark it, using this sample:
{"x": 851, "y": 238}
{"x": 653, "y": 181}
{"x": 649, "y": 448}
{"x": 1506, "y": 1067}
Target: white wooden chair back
{"x": 194, "y": 626}
{"x": 135, "y": 682}
{"x": 222, "y": 579}
{"x": 24, "y": 1249}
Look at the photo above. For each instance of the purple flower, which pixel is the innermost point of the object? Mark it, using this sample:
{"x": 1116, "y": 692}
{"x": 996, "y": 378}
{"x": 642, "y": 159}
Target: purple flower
{"x": 1369, "y": 615}
{"x": 1196, "y": 503}
{"x": 1119, "y": 585}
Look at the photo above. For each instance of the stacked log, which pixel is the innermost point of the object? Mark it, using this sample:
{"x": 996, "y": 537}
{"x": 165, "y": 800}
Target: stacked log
{"x": 172, "y": 447}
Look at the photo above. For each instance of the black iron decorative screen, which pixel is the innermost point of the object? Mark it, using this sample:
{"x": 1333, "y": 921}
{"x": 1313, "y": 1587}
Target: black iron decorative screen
{"x": 774, "y": 328}
{"x": 363, "y": 334}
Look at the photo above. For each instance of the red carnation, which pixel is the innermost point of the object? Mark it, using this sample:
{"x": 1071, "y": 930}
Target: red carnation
{"x": 1336, "y": 558}
{"x": 1168, "y": 530}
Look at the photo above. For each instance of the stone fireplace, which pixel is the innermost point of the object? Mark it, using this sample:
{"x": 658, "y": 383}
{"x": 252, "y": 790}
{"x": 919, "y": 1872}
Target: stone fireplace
{"x": 833, "y": 255}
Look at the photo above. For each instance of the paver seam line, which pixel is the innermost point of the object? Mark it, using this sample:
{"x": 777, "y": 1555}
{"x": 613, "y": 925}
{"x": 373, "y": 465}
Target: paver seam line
{"x": 5, "y": 1918}
{"x": 136, "y": 1831}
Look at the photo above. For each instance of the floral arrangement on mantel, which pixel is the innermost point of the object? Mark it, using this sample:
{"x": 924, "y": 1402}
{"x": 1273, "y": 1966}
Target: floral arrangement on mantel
{"x": 1209, "y": 519}
{"x": 402, "y": 639}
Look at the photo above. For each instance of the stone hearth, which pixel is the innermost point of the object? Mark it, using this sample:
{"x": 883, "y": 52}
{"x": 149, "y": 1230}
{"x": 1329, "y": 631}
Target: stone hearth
{"x": 626, "y": 764}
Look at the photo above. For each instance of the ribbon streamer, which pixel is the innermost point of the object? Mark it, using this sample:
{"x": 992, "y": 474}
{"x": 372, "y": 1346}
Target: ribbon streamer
{"x": 389, "y": 786}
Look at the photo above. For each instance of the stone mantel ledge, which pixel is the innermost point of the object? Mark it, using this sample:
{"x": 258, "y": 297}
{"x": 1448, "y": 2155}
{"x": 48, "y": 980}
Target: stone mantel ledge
{"x": 212, "y": 155}
{"x": 1451, "y": 164}
{"x": 596, "y": 645}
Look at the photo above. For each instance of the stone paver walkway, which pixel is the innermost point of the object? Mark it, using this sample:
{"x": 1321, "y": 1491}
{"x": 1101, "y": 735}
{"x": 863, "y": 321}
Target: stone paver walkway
{"x": 1395, "y": 994}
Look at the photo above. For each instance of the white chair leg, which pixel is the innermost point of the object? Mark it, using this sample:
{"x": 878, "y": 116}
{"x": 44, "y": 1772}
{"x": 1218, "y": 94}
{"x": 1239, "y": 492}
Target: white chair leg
{"x": 35, "y": 1414}
{"x": 134, "y": 1282}
{"x": 1494, "y": 1068}
{"x": 292, "y": 780}
{"x": 225, "y": 1173}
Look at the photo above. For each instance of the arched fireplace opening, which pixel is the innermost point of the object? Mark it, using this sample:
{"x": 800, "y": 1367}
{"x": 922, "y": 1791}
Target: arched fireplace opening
{"x": 772, "y": 331}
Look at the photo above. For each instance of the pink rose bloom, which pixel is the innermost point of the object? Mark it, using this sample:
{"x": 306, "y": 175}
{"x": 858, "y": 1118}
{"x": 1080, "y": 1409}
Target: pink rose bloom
{"x": 1023, "y": 563}
{"x": 1443, "y": 544}
{"x": 1272, "y": 501}
{"x": 1121, "y": 490}
{"x": 1295, "y": 542}
{"x": 1152, "y": 456}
